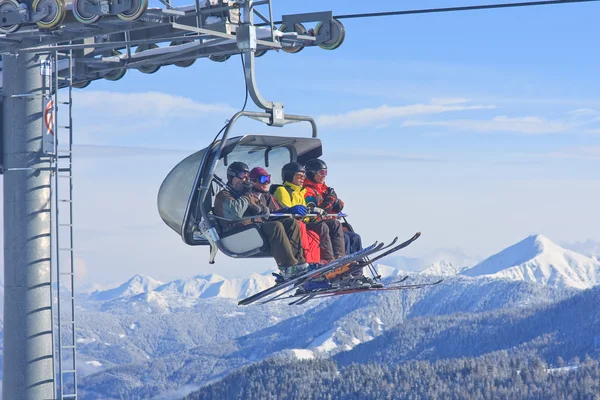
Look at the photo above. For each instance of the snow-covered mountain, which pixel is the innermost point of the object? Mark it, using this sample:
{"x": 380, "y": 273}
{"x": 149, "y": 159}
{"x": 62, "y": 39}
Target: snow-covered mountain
{"x": 144, "y": 293}
{"x": 134, "y": 286}
{"x": 443, "y": 268}
{"x": 538, "y": 259}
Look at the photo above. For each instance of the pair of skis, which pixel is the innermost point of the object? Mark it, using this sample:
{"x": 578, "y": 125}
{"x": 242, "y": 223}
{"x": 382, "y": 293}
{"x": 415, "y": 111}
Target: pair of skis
{"x": 361, "y": 259}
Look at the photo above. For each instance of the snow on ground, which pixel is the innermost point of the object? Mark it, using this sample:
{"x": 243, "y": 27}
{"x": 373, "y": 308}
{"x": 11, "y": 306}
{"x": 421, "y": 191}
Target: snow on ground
{"x": 233, "y": 314}
{"x": 562, "y": 369}
{"x": 94, "y": 363}
{"x": 132, "y": 326}
{"x": 122, "y": 335}
{"x": 85, "y": 341}
{"x": 325, "y": 342}
{"x": 302, "y": 354}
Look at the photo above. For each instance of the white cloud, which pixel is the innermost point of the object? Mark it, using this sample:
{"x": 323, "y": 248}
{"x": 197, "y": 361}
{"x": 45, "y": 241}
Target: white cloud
{"x": 586, "y": 152}
{"x": 528, "y": 125}
{"x": 144, "y": 105}
{"x": 369, "y": 116}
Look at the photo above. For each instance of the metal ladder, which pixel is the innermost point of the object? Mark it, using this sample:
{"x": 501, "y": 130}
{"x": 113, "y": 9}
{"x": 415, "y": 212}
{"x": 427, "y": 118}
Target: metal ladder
{"x": 62, "y": 252}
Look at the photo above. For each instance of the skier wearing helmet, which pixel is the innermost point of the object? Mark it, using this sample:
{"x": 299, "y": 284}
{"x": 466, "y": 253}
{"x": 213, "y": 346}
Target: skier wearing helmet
{"x": 235, "y": 202}
{"x": 292, "y": 193}
{"x": 261, "y": 180}
{"x": 325, "y": 197}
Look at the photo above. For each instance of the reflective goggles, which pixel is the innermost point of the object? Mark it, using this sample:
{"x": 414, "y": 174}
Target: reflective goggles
{"x": 241, "y": 174}
{"x": 300, "y": 175}
{"x": 263, "y": 179}
{"x": 321, "y": 172}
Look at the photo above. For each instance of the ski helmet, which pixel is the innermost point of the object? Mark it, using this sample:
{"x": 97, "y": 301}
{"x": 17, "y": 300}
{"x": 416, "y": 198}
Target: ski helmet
{"x": 235, "y": 168}
{"x": 289, "y": 169}
{"x": 314, "y": 165}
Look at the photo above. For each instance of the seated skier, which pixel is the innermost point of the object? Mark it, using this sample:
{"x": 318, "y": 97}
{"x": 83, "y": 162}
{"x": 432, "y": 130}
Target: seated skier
{"x": 325, "y": 197}
{"x": 291, "y": 193}
{"x": 236, "y": 202}
{"x": 261, "y": 180}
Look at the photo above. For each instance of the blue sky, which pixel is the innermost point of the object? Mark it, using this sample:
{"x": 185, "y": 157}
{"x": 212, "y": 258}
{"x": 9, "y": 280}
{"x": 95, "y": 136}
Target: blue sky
{"x": 477, "y": 128}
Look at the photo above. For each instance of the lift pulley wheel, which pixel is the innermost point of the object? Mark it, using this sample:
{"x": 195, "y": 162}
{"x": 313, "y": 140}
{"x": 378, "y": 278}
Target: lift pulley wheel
{"x": 182, "y": 63}
{"x": 81, "y": 84}
{"x": 337, "y": 35}
{"x": 8, "y": 6}
{"x": 219, "y": 58}
{"x": 115, "y": 74}
{"x": 81, "y": 15}
{"x": 137, "y": 9}
{"x": 147, "y": 68}
{"x": 57, "y": 12}
{"x": 300, "y": 30}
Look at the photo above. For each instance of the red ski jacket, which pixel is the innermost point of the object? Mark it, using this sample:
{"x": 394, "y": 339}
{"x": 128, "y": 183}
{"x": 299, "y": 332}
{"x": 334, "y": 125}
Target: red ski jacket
{"x": 322, "y": 196}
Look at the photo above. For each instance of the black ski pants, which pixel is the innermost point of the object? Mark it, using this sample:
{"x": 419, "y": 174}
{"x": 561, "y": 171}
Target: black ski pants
{"x": 331, "y": 235}
{"x": 284, "y": 241}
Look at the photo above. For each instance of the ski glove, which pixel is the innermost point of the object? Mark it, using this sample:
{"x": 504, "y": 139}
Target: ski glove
{"x": 297, "y": 210}
{"x": 331, "y": 192}
{"x": 318, "y": 211}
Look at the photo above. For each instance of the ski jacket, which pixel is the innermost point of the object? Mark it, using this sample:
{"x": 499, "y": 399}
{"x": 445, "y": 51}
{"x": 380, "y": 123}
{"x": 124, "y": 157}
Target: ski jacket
{"x": 287, "y": 199}
{"x": 322, "y": 196}
{"x": 267, "y": 200}
{"x": 232, "y": 206}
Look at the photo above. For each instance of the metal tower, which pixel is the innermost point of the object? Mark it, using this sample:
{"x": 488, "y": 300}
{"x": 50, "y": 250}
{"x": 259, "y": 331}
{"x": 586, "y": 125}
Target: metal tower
{"x": 47, "y": 45}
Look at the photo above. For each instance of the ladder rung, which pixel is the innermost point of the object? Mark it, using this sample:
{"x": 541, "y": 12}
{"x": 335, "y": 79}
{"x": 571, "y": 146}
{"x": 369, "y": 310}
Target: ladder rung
{"x": 66, "y": 273}
{"x": 69, "y": 346}
{"x": 60, "y": 78}
{"x": 68, "y": 371}
{"x": 65, "y": 224}
{"x": 64, "y": 396}
{"x": 67, "y": 156}
{"x": 64, "y": 176}
{"x": 65, "y": 201}
{"x": 64, "y": 126}
{"x": 66, "y": 249}
{"x": 66, "y": 103}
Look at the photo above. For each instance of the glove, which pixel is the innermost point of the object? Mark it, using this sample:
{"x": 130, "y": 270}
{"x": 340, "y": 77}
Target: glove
{"x": 297, "y": 210}
{"x": 338, "y": 206}
{"x": 331, "y": 192}
{"x": 318, "y": 211}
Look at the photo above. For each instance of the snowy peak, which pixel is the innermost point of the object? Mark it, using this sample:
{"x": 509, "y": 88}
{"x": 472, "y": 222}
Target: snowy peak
{"x": 136, "y": 285}
{"x": 443, "y": 268}
{"x": 145, "y": 293}
{"x": 537, "y": 259}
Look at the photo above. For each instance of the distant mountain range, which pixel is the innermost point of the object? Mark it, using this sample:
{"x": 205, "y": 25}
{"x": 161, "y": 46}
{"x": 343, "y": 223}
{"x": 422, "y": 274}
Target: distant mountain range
{"x": 146, "y": 339}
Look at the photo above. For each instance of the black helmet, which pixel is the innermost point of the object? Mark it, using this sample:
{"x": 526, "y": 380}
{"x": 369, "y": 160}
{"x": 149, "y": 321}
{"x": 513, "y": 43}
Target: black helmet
{"x": 289, "y": 169}
{"x": 236, "y": 167}
{"x": 313, "y": 166}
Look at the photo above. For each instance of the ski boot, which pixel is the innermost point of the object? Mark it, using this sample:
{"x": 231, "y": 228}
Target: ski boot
{"x": 313, "y": 286}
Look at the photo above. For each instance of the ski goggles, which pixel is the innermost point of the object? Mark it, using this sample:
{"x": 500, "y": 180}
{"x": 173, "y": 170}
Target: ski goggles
{"x": 263, "y": 179}
{"x": 300, "y": 175}
{"x": 241, "y": 174}
{"x": 321, "y": 172}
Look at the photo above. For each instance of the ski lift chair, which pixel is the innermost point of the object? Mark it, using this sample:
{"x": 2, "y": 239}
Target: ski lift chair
{"x": 186, "y": 197}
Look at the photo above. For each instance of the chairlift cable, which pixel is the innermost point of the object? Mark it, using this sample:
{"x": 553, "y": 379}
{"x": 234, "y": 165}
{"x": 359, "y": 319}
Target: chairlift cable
{"x": 451, "y": 9}
{"x": 462, "y": 8}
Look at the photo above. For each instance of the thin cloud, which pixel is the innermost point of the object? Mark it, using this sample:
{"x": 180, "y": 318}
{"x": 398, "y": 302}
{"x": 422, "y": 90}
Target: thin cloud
{"x": 382, "y": 156}
{"x": 145, "y": 105}
{"x": 384, "y": 113}
{"x": 526, "y": 125}
{"x": 102, "y": 151}
{"x": 585, "y": 152}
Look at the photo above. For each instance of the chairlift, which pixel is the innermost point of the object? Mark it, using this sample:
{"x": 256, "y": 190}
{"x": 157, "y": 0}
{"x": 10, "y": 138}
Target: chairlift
{"x": 186, "y": 196}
